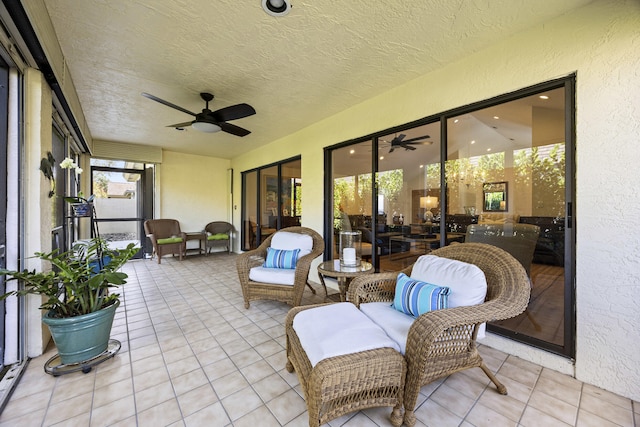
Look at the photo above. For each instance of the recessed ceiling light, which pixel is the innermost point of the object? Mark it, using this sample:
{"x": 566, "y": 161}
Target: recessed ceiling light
{"x": 352, "y": 151}
{"x": 381, "y": 157}
{"x": 421, "y": 166}
{"x": 544, "y": 97}
{"x": 473, "y": 141}
{"x": 496, "y": 117}
{"x": 456, "y": 121}
{"x": 488, "y": 149}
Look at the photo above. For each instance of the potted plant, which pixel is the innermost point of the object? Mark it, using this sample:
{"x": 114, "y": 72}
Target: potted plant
{"x": 79, "y": 307}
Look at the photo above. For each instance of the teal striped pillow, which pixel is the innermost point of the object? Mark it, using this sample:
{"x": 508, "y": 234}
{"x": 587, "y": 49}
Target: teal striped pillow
{"x": 280, "y": 258}
{"x": 414, "y": 297}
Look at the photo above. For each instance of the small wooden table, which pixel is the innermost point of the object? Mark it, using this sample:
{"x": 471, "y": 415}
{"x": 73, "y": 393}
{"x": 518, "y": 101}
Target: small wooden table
{"x": 201, "y": 236}
{"x": 343, "y": 274}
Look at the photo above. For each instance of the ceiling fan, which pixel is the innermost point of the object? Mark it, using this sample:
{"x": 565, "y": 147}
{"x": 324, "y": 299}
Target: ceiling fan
{"x": 407, "y": 144}
{"x": 212, "y": 121}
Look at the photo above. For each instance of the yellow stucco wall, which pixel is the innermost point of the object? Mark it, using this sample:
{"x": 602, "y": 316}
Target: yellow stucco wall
{"x": 193, "y": 190}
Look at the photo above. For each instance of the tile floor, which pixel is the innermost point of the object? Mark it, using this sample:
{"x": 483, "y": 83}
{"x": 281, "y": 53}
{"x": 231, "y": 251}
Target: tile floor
{"x": 193, "y": 356}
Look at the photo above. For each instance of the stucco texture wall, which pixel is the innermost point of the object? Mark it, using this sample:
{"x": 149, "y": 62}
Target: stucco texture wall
{"x": 193, "y": 190}
{"x": 600, "y": 43}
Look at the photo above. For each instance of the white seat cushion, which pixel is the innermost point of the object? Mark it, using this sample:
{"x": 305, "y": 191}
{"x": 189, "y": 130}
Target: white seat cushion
{"x": 279, "y": 276}
{"x": 395, "y": 323}
{"x": 338, "y": 329}
{"x": 288, "y": 240}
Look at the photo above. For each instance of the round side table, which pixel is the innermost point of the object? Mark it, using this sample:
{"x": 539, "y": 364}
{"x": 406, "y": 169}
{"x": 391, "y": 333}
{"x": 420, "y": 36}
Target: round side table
{"x": 343, "y": 274}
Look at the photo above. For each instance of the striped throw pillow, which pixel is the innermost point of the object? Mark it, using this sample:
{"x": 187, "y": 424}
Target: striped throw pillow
{"x": 281, "y": 258}
{"x": 414, "y": 297}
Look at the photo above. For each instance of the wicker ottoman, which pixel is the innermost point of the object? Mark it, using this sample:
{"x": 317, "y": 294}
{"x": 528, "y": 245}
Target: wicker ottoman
{"x": 336, "y": 385}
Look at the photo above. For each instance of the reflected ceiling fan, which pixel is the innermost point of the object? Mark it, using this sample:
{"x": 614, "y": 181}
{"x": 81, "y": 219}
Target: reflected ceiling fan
{"x": 399, "y": 142}
{"x": 211, "y": 121}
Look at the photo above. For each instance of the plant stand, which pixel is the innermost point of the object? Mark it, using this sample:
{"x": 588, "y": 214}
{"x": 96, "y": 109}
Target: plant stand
{"x": 55, "y": 367}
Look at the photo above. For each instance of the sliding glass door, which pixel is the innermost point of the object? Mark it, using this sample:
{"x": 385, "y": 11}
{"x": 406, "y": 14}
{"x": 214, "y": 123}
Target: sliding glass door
{"x": 271, "y": 200}
{"x": 497, "y": 172}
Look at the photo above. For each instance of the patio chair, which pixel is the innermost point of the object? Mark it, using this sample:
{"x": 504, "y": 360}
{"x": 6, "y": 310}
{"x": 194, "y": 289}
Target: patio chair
{"x": 166, "y": 237}
{"x": 283, "y": 281}
{"x": 441, "y": 342}
{"x": 219, "y": 235}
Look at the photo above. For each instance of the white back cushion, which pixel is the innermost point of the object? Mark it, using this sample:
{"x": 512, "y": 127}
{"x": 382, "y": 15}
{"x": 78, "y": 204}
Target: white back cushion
{"x": 467, "y": 282}
{"x": 288, "y": 240}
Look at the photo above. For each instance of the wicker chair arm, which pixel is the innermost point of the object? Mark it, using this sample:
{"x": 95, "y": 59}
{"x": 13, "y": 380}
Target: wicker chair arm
{"x": 372, "y": 288}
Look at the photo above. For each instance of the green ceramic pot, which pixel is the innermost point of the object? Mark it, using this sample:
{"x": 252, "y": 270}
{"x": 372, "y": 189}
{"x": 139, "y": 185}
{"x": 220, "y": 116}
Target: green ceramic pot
{"x": 82, "y": 338}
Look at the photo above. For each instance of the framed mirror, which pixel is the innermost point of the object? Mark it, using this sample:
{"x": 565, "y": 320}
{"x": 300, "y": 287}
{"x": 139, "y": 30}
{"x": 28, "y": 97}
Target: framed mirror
{"x": 495, "y": 196}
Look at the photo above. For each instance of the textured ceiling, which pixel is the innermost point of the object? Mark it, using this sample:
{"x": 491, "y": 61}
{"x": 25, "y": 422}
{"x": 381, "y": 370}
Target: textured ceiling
{"x": 321, "y": 58}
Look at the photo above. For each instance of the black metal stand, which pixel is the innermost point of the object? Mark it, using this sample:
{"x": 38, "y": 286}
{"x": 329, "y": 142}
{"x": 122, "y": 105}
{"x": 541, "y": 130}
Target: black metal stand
{"x": 55, "y": 367}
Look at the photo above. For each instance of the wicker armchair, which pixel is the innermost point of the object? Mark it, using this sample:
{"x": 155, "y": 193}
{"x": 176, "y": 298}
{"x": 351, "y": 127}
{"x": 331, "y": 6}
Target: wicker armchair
{"x": 219, "y": 235}
{"x": 443, "y": 342}
{"x": 289, "y": 294}
{"x": 166, "y": 237}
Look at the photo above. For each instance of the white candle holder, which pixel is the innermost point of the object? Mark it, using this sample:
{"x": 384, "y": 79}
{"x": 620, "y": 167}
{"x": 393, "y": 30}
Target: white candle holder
{"x": 350, "y": 248}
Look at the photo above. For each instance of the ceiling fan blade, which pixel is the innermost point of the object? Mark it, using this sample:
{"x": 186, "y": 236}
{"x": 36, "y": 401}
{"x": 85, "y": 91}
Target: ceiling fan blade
{"x": 233, "y": 112}
{"x": 414, "y": 140}
{"x": 408, "y": 147}
{"x": 233, "y": 129}
{"x": 181, "y": 125}
{"x": 167, "y": 103}
{"x": 392, "y": 148}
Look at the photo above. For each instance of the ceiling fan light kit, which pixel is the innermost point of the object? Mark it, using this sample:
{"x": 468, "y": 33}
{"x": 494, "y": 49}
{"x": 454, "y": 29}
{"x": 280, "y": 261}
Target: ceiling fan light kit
{"x": 206, "y": 127}
{"x": 276, "y": 7}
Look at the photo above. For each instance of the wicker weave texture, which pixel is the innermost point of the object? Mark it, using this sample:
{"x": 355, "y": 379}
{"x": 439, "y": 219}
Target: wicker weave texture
{"x": 442, "y": 342}
{"x": 343, "y": 384}
{"x": 292, "y": 295}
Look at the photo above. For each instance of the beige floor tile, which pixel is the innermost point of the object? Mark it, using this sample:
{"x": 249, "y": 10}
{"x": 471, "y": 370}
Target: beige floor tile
{"x": 565, "y": 393}
{"x": 588, "y": 419}
{"x": 229, "y": 384}
{"x": 607, "y": 396}
{"x": 32, "y": 418}
{"x": 482, "y": 416}
{"x": 453, "y": 400}
{"x": 189, "y": 381}
{"x": 554, "y": 407}
{"x": 182, "y": 366}
{"x": 257, "y": 371}
{"x": 435, "y": 415}
{"x": 287, "y": 406}
{"x": 113, "y": 412}
{"x": 69, "y": 408}
{"x": 165, "y": 413}
{"x": 259, "y": 417}
{"x": 219, "y": 369}
{"x": 466, "y": 385}
{"x": 612, "y": 412}
{"x": 111, "y": 392}
{"x": 271, "y": 387}
{"x": 504, "y": 405}
{"x": 213, "y": 415}
{"x": 153, "y": 396}
{"x": 150, "y": 378}
{"x": 81, "y": 420}
{"x": 241, "y": 402}
{"x": 196, "y": 399}
{"x": 533, "y": 417}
